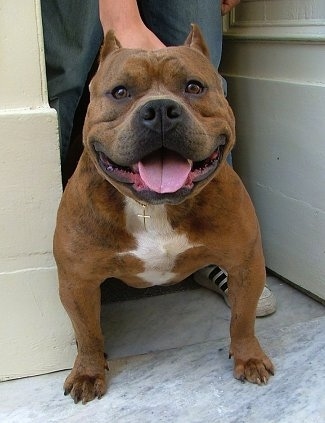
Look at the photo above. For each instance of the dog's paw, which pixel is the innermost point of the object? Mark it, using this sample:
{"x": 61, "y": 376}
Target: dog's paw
{"x": 84, "y": 387}
{"x": 86, "y": 384}
{"x": 251, "y": 363}
{"x": 254, "y": 370}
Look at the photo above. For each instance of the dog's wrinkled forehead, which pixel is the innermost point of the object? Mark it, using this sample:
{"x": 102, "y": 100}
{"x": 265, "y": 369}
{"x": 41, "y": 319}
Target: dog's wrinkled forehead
{"x": 170, "y": 66}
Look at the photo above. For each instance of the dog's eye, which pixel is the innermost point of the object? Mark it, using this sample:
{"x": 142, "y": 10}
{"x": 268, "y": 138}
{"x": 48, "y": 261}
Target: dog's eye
{"x": 194, "y": 87}
{"x": 120, "y": 92}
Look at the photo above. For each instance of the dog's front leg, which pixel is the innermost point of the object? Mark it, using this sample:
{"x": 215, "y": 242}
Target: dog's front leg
{"x": 245, "y": 287}
{"x": 82, "y": 302}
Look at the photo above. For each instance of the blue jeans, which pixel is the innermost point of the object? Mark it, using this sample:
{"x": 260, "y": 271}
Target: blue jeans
{"x": 73, "y": 35}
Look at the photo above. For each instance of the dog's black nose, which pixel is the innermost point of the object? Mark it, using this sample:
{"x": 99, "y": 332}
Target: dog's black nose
{"x": 161, "y": 115}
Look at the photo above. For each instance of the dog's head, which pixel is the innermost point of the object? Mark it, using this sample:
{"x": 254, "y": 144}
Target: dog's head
{"x": 158, "y": 126}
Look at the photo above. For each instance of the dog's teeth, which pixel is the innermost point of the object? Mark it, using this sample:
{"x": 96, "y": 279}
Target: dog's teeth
{"x": 135, "y": 168}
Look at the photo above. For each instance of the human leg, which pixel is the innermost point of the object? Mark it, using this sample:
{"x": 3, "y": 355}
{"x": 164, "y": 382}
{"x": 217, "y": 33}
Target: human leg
{"x": 72, "y": 37}
{"x": 170, "y": 20}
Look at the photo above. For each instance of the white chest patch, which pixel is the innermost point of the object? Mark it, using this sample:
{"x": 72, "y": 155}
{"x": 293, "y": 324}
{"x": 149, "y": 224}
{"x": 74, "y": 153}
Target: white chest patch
{"x": 158, "y": 245}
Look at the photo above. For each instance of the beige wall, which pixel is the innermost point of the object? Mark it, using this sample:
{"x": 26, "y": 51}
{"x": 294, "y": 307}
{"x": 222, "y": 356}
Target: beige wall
{"x": 35, "y": 334}
{"x": 274, "y": 61}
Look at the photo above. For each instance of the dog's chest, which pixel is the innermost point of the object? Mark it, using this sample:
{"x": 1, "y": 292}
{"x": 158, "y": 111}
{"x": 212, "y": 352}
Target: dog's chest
{"x": 158, "y": 244}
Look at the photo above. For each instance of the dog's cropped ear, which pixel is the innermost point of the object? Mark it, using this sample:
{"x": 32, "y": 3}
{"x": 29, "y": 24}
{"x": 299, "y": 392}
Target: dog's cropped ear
{"x": 195, "y": 40}
{"x": 110, "y": 44}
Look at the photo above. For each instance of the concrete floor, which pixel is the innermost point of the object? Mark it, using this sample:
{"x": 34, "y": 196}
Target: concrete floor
{"x": 169, "y": 363}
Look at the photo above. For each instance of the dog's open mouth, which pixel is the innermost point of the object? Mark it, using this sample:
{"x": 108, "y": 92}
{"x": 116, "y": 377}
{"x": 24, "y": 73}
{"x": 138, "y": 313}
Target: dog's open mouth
{"x": 163, "y": 171}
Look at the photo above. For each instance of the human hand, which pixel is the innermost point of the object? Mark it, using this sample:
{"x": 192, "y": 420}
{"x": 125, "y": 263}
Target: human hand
{"x": 139, "y": 37}
{"x": 227, "y": 5}
{"x": 124, "y": 18}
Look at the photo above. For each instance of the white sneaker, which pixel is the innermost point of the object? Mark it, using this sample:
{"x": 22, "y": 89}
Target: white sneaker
{"x": 216, "y": 279}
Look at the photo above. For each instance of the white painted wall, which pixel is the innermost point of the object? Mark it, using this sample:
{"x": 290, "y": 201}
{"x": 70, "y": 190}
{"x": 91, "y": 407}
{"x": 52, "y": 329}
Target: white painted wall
{"x": 35, "y": 334}
{"x": 274, "y": 61}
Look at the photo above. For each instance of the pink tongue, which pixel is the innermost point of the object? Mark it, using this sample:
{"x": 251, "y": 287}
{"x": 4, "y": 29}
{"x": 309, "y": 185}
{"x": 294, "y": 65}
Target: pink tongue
{"x": 164, "y": 171}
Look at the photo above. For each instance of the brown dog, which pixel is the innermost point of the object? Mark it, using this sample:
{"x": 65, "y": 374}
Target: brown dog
{"x": 153, "y": 200}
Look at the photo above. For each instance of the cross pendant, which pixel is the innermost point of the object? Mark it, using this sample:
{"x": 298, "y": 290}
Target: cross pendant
{"x": 144, "y": 216}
